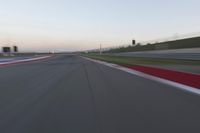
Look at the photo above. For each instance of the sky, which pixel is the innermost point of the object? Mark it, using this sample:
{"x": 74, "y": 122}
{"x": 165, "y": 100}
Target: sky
{"x": 71, "y": 25}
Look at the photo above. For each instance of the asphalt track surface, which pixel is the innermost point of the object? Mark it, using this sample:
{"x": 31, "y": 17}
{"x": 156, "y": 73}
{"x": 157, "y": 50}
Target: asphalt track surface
{"x": 69, "y": 94}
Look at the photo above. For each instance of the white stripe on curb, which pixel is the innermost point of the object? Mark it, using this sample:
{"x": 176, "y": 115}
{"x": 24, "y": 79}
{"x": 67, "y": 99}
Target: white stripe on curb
{"x": 24, "y": 60}
{"x": 150, "y": 77}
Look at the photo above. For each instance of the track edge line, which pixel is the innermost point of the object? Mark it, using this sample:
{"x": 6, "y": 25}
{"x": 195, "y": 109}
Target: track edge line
{"x": 180, "y": 86}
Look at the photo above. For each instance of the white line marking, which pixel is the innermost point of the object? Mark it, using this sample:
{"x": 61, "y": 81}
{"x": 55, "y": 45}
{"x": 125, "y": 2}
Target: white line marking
{"x": 150, "y": 77}
{"x": 24, "y": 60}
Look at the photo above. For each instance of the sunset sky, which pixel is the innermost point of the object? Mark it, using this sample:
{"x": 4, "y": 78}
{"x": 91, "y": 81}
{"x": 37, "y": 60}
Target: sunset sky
{"x": 68, "y": 25}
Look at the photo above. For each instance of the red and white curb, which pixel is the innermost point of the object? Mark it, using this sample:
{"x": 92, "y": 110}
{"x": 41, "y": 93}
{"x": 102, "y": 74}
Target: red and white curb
{"x": 150, "y": 77}
{"x": 23, "y": 61}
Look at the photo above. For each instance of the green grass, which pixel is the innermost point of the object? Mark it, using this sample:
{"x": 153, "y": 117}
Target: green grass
{"x": 140, "y": 61}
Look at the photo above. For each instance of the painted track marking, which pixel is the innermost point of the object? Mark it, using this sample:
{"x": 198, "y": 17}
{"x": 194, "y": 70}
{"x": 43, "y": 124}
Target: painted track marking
{"x": 150, "y": 77}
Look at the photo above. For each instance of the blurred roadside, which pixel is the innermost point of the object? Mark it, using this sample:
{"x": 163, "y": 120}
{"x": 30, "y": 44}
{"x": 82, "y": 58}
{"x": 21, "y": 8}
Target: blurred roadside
{"x": 186, "y": 54}
{"x": 181, "y": 65}
{"x": 195, "y": 69}
{"x": 21, "y": 56}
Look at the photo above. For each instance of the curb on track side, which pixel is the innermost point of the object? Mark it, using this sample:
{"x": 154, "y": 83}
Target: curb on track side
{"x": 3, "y": 64}
{"x": 183, "y": 83}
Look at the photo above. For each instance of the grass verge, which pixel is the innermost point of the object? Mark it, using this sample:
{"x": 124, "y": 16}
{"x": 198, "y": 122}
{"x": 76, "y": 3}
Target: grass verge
{"x": 140, "y": 61}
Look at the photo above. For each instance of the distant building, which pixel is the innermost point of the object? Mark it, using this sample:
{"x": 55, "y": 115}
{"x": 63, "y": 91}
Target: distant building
{"x": 6, "y": 49}
{"x": 15, "y": 49}
{"x": 133, "y": 42}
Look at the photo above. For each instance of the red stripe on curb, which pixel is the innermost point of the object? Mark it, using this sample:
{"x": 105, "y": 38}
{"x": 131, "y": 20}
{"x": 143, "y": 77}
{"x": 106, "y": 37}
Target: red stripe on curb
{"x": 192, "y": 80}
